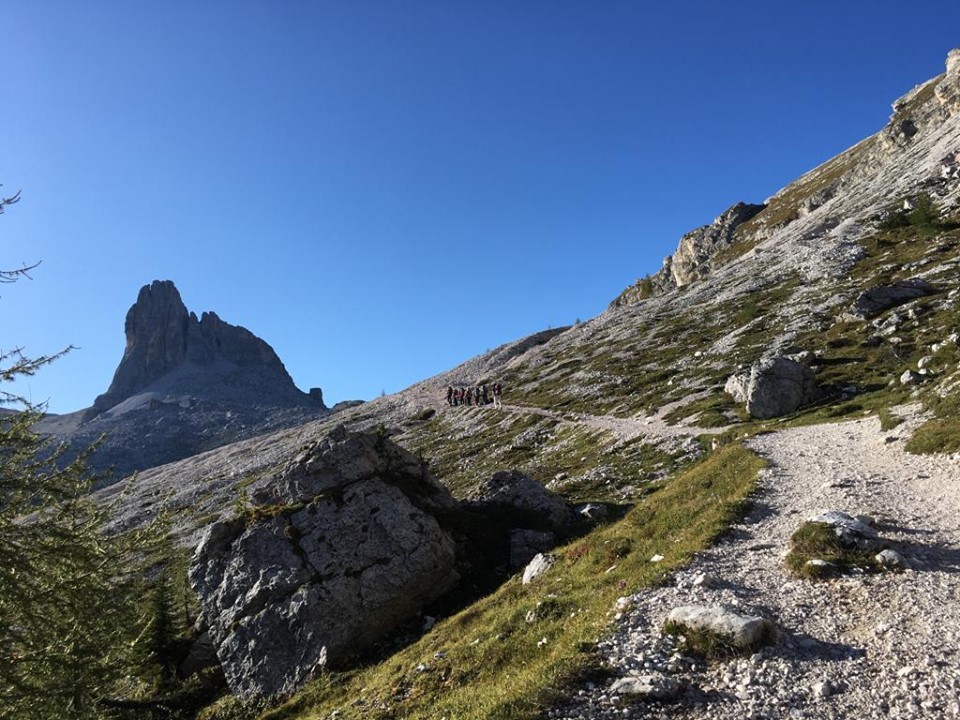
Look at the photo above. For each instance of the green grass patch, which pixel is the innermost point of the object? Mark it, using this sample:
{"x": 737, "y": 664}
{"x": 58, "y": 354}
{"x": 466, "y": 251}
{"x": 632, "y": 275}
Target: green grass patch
{"x": 888, "y": 419}
{"x": 941, "y": 435}
{"x": 819, "y": 541}
{"x": 489, "y": 661}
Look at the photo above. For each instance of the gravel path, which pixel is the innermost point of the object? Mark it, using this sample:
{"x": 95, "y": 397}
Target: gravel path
{"x": 865, "y": 646}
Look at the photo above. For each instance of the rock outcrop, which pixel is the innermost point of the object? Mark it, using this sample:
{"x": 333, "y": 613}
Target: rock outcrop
{"x": 773, "y": 386}
{"x": 163, "y": 338}
{"x": 693, "y": 257}
{"x": 691, "y": 261}
{"x": 531, "y": 504}
{"x": 348, "y": 543}
{"x": 184, "y": 385}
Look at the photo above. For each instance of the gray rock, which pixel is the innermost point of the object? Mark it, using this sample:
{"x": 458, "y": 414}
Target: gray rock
{"x": 184, "y": 385}
{"x": 592, "y": 511}
{"x": 527, "y": 544}
{"x": 874, "y": 301}
{"x": 691, "y": 261}
{"x": 648, "y": 687}
{"x": 515, "y": 493}
{"x": 347, "y": 548}
{"x": 820, "y": 566}
{"x": 704, "y": 580}
{"x": 202, "y": 655}
{"x": 852, "y": 532}
{"x": 891, "y": 560}
{"x": 773, "y": 386}
{"x": 822, "y": 689}
{"x": 910, "y": 377}
{"x": 693, "y": 258}
{"x": 537, "y": 567}
{"x": 739, "y": 630}
{"x": 162, "y": 337}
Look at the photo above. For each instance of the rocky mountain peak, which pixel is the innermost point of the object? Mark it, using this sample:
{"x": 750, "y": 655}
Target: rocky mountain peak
{"x": 163, "y": 337}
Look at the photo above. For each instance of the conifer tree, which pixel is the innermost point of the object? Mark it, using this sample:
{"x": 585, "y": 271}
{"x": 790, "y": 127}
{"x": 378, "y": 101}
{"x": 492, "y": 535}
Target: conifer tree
{"x": 66, "y": 610}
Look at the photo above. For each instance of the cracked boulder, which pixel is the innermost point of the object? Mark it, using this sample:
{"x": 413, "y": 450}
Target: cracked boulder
{"x": 773, "y": 387}
{"x": 345, "y": 545}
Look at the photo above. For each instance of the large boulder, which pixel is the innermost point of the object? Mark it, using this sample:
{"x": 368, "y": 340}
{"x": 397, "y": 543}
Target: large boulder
{"x": 515, "y": 493}
{"x": 875, "y": 300}
{"x": 343, "y": 546}
{"x": 773, "y": 386}
{"x": 532, "y": 515}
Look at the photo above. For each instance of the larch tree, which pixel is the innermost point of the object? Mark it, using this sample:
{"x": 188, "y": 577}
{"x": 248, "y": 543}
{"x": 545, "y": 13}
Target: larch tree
{"x": 67, "y": 616}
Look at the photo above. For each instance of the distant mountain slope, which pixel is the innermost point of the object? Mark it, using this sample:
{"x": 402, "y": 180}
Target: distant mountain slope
{"x": 184, "y": 385}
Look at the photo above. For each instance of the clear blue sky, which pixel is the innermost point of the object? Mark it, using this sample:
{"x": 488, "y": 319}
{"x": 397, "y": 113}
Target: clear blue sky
{"x": 382, "y": 189}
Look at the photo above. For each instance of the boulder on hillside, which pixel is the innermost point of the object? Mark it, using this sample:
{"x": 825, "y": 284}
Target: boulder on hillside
{"x": 512, "y": 491}
{"x": 773, "y": 386}
{"x": 338, "y": 551}
{"x": 532, "y": 514}
{"x": 875, "y": 300}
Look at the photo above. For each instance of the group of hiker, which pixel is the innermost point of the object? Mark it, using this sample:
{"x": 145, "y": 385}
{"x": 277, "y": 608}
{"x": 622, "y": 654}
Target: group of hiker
{"x": 479, "y": 395}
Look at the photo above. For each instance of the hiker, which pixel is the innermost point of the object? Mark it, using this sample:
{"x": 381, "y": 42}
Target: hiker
{"x": 497, "y": 391}
{"x": 486, "y": 398}
{"x": 476, "y": 395}
{"x": 450, "y": 395}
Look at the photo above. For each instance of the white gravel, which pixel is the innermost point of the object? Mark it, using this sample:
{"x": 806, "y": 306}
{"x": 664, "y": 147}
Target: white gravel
{"x": 864, "y": 646}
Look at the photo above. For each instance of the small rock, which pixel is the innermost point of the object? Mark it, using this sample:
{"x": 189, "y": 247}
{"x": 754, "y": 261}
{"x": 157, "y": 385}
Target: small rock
{"x": 656, "y": 558}
{"x": 536, "y": 567}
{"x": 704, "y": 580}
{"x": 654, "y": 686}
{"x": 739, "y": 630}
{"x": 822, "y": 689}
{"x": 909, "y": 377}
{"x": 891, "y": 560}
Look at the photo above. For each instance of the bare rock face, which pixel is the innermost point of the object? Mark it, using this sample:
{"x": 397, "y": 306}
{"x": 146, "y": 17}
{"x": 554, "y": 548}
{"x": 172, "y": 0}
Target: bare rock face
{"x": 185, "y": 385}
{"x": 693, "y": 257}
{"x": 773, "y": 386}
{"x": 344, "y": 546}
{"x": 162, "y": 337}
{"x": 691, "y": 260}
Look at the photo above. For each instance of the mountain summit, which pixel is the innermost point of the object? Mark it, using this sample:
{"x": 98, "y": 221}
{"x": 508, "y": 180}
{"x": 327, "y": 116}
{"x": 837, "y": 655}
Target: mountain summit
{"x": 184, "y": 385}
{"x": 171, "y": 347}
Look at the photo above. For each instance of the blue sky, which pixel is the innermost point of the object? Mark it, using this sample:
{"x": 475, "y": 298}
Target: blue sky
{"x": 381, "y": 190}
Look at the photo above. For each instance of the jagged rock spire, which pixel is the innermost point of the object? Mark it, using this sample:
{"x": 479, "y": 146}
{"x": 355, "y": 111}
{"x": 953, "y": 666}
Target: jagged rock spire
{"x": 163, "y": 336}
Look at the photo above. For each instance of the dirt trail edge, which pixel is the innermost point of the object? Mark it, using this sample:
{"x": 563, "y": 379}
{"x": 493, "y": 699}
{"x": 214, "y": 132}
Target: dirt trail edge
{"x": 866, "y": 646}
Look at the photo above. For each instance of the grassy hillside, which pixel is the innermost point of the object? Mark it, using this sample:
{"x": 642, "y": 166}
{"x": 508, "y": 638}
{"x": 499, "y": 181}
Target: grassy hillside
{"x": 576, "y": 414}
